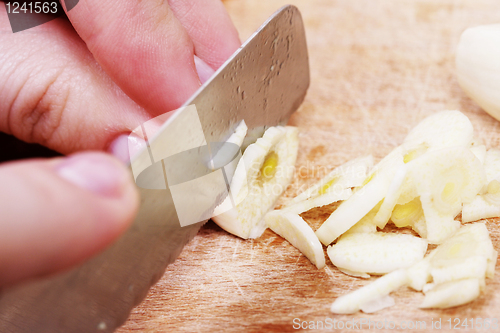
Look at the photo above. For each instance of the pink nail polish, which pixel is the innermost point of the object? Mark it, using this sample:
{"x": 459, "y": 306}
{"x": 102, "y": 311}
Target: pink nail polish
{"x": 96, "y": 172}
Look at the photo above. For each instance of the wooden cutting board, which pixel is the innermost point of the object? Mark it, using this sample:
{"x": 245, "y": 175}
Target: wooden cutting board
{"x": 377, "y": 69}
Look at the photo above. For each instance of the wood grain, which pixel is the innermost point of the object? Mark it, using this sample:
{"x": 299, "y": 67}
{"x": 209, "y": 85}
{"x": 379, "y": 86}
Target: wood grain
{"x": 377, "y": 68}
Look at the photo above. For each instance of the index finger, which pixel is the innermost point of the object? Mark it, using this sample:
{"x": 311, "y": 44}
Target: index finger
{"x": 143, "y": 48}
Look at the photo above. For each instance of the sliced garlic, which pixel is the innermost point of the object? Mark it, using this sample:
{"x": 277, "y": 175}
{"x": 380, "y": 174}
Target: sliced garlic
{"x": 319, "y": 201}
{"x": 361, "y": 202}
{"x": 451, "y": 176}
{"x": 384, "y": 213}
{"x": 420, "y": 273}
{"x": 462, "y": 261}
{"x": 479, "y": 152}
{"x": 335, "y": 186}
{"x": 376, "y": 253}
{"x": 492, "y": 164}
{"x": 486, "y": 204}
{"x": 408, "y": 214}
{"x": 366, "y": 224}
{"x": 452, "y": 294}
{"x": 445, "y": 179}
{"x": 492, "y": 261}
{"x": 378, "y": 304}
{"x": 471, "y": 267}
{"x": 380, "y": 288}
{"x": 478, "y": 66}
{"x": 355, "y": 274}
{"x": 262, "y": 175}
{"x": 408, "y": 191}
{"x": 468, "y": 255}
{"x": 479, "y": 209}
{"x": 295, "y": 230}
{"x": 440, "y": 130}
{"x": 350, "y": 174}
{"x": 470, "y": 240}
{"x": 438, "y": 226}
{"x": 458, "y": 267}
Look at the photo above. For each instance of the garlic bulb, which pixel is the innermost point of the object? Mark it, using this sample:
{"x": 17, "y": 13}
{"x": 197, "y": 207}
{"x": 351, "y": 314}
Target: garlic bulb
{"x": 478, "y": 66}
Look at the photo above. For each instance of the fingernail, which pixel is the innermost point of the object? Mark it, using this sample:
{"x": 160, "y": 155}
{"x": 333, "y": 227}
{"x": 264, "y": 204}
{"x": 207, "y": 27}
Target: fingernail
{"x": 119, "y": 148}
{"x": 204, "y": 71}
{"x": 96, "y": 172}
{"x": 126, "y": 146}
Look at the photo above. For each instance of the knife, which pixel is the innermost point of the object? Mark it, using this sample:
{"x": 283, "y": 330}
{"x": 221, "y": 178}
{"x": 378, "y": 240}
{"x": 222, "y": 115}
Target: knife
{"x": 263, "y": 83}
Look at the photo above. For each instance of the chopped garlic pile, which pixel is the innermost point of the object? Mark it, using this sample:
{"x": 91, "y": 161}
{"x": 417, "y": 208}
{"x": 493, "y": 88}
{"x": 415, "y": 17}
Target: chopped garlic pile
{"x": 434, "y": 170}
{"x": 438, "y": 172}
{"x": 452, "y": 274}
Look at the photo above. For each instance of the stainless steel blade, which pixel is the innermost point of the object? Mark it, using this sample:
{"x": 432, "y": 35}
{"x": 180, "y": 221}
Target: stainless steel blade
{"x": 263, "y": 83}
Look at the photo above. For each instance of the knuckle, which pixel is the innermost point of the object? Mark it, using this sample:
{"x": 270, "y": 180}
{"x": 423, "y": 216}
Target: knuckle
{"x": 157, "y": 13}
{"x": 37, "y": 110}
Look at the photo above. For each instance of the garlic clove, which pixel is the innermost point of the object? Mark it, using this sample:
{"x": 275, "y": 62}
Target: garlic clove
{"x": 478, "y": 66}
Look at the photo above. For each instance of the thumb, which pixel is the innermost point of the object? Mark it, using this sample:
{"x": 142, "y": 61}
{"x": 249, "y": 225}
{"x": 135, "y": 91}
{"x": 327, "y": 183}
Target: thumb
{"x": 56, "y": 213}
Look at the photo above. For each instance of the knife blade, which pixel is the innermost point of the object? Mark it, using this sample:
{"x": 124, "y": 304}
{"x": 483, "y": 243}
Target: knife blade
{"x": 264, "y": 82}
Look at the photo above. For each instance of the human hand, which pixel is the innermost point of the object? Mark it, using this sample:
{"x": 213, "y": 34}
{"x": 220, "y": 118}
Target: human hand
{"x": 84, "y": 85}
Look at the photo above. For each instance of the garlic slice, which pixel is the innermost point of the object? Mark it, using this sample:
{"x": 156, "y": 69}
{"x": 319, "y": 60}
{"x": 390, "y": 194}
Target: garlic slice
{"x": 438, "y": 226}
{"x": 492, "y": 164}
{"x": 470, "y": 240}
{"x": 361, "y": 202}
{"x": 479, "y": 209}
{"x": 376, "y": 253}
{"x": 319, "y": 201}
{"x": 355, "y": 274}
{"x": 335, "y": 186}
{"x": 262, "y": 175}
{"x": 471, "y": 267}
{"x": 378, "y": 304}
{"x": 384, "y": 213}
{"x": 451, "y": 294}
{"x": 366, "y": 224}
{"x": 492, "y": 261}
{"x": 347, "y": 175}
{"x": 380, "y": 288}
{"x": 440, "y": 130}
{"x": 295, "y": 230}
{"x": 420, "y": 273}
{"x": 479, "y": 152}
{"x": 487, "y": 204}
{"x": 408, "y": 214}
{"x": 445, "y": 179}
